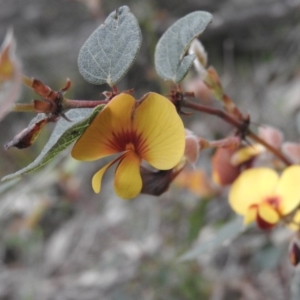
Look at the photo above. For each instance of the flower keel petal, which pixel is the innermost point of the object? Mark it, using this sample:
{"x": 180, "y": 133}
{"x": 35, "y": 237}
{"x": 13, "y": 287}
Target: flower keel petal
{"x": 267, "y": 216}
{"x": 268, "y": 213}
{"x": 128, "y": 181}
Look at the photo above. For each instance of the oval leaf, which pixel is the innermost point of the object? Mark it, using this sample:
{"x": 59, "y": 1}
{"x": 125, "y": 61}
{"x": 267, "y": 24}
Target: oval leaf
{"x": 63, "y": 135}
{"x": 111, "y": 49}
{"x": 170, "y": 60}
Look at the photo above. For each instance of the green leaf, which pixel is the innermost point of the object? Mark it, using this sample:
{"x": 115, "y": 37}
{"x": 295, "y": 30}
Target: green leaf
{"x": 63, "y": 135}
{"x": 111, "y": 49}
{"x": 223, "y": 236}
{"x": 170, "y": 60}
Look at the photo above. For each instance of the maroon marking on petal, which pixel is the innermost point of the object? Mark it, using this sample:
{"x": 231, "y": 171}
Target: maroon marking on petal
{"x": 121, "y": 140}
{"x": 273, "y": 201}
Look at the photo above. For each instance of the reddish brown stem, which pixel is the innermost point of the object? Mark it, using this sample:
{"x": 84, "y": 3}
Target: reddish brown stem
{"x": 275, "y": 151}
{"x": 216, "y": 112}
{"x": 115, "y": 89}
{"x": 179, "y": 88}
{"x": 231, "y": 141}
{"x": 238, "y": 124}
{"x": 68, "y": 104}
{"x": 82, "y": 103}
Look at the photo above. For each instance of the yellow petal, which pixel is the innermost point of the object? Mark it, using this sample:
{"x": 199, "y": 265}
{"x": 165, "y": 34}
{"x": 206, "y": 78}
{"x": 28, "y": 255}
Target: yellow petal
{"x": 295, "y": 224}
{"x": 102, "y": 137}
{"x": 97, "y": 178}
{"x": 252, "y": 187}
{"x": 128, "y": 181}
{"x": 250, "y": 215}
{"x": 160, "y": 127}
{"x": 246, "y": 153}
{"x": 289, "y": 189}
{"x": 268, "y": 213}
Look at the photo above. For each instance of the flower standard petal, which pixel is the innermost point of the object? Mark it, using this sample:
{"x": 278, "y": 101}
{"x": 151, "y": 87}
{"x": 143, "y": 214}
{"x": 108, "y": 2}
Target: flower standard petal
{"x": 161, "y": 132}
{"x": 252, "y": 187}
{"x": 97, "y": 178}
{"x": 288, "y": 189}
{"x": 128, "y": 181}
{"x": 101, "y": 138}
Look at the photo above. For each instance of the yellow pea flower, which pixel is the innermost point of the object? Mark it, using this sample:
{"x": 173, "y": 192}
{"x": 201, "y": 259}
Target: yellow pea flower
{"x": 260, "y": 195}
{"x": 149, "y": 130}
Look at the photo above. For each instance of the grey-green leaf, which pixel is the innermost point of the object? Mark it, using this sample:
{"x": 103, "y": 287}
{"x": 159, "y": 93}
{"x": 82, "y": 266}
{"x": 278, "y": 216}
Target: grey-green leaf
{"x": 223, "y": 236}
{"x": 170, "y": 60}
{"x": 63, "y": 135}
{"x": 111, "y": 49}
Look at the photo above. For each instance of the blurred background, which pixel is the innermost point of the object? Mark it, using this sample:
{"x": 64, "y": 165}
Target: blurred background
{"x": 58, "y": 240}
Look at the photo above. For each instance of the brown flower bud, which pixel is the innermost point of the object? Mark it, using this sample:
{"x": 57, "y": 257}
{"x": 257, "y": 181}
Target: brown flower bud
{"x": 224, "y": 173}
{"x": 157, "y": 182}
{"x": 294, "y": 254}
{"x": 27, "y": 136}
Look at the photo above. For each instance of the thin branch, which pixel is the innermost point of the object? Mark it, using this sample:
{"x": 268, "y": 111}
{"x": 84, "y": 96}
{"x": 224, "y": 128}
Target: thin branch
{"x": 216, "y": 112}
{"x": 240, "y": 125}
{"x": 275, "y": 151}
{"x": 82, "y": 103}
